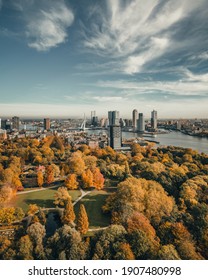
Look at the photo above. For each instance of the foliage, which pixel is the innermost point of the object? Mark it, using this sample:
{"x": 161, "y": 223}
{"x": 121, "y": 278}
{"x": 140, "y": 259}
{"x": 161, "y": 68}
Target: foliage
{"x": 68, "y": 216}
{"x": 61, "y": 196}
{"x": 71, "y": 182}
{"x": 82, "y": 220}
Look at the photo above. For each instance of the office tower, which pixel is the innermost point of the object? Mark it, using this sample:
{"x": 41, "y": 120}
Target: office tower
{"x": 102, "y": 122}
{"x": 0, "y": 123}
{"x": 47, "y": 124}
{"x": 134, "y": 118}
{"x": 15, "y": 123}
{"x": 114, "y": 130}
{"x": 94, "y": 121}
{"x": 140, "y": 123}
{"x": 93, "y": 114}
{"x": 154, "y": 119}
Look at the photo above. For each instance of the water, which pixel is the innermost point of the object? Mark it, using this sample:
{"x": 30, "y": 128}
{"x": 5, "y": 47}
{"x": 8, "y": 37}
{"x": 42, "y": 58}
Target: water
{"x": 52, "y": 223}
{"x": 177, "y": 139}
{"x": 173, "y": 138}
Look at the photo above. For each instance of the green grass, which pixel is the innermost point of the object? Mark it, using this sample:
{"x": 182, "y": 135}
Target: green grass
{"x": 93, "y": 203}
{"x": 43, "y": 198}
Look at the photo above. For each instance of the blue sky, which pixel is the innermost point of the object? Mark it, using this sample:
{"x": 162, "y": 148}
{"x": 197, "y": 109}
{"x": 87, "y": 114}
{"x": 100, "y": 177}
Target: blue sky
{"x": 66, "y": 58}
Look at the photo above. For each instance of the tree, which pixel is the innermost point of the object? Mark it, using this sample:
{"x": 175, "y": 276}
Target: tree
{"x": 25, "y": 248}
{"x": 98, "y": 179}
{"x": 67, "y": 244}
{"x": 82, "y": 220}
{"x": 40, "y": 179}
{"x": 108, "y": 244}
{"x": 76, "y": 163}
{"x": 36, "y": 233}
{"x": 33, "y": 208}
{"x": 87, "y": 179}
{"x": 68, "y": 216}
{"x": 71, "y": 182}
{"x": 61, "y": 196}
{"x": 49, "y": 175}
{"x": 6, "y": 194}
{"x": 124, "y": 252}
{"x": 168, "y": 252}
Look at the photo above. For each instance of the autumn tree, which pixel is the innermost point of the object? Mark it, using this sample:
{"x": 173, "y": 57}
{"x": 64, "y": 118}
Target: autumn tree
{"x": 6, "y": 194}
{"x": 87, "y": 179}
{"x": 71, "y": 182}
{"x": 32, "y": 209}
{"x": 61, "y": 196}
{"x": 68, "y": 216}
{"x": 168, "y": 252}
{"x": 67, "y": 244}
{"x": 25, "y": 248}
{"x": 76, "y": 163}
{"x": 40, "y": 179}
{"x": 82, "y": 220}
{"x": 36, "y": 233}
{"x": 49, "y": 175}
{"x": 124, "y": 252}
{"x": 109, "y": 244}
{"x": 98, "y": 179}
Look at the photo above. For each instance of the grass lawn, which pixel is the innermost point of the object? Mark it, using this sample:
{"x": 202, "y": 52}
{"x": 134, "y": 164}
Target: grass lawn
{"x": 43, "y": 198}
{"x": 93, "y": 203}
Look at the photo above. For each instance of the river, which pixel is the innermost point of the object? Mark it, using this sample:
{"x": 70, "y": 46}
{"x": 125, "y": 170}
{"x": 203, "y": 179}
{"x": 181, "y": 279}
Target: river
{"x": 174, "y": 138}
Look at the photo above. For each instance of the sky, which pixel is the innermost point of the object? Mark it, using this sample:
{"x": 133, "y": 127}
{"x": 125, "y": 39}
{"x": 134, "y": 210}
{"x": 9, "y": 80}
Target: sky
{"x": 68, "y": 58}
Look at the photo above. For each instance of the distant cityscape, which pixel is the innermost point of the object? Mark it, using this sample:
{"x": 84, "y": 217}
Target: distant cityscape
{"x": 77, "y": 131}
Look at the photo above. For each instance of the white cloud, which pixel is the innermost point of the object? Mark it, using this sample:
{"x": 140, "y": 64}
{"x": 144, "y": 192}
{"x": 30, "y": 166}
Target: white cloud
{"x": 46, "y": 22}
{"x": 109, "y": 98}
{"x": 49, "y": 28}
{"x": 190, "y": 85}
{"x": 139, "y": 31}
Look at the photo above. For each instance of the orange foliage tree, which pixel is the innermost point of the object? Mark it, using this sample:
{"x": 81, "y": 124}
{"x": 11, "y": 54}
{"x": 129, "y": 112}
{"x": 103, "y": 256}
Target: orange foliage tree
{"x": 71, "y": 182}
{"x": 87, "y": 179}
{"x": 82, "y": 221}
{"x": 98, "y": 179}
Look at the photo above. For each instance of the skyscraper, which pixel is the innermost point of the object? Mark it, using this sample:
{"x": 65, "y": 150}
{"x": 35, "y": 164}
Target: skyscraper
{"x": 47, "y": 124}
{"x": 154, "y": 119}
{"x": 134, "y": 118}
{"x": 114, "y": 130}
{"x": 140, "y": 123}
{"x": 15, "y": 123}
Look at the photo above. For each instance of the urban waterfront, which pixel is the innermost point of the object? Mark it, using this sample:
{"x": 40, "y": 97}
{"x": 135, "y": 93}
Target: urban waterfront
{"x": 172, "y": 138}
{"x": 177, "y": 139}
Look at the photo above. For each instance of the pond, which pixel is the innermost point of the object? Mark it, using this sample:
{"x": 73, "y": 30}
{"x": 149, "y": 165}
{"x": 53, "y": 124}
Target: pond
{"x": 53, "y": 223}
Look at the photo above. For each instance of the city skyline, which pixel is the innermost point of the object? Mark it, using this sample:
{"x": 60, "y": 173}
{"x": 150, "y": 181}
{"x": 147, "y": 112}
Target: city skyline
{"x": 67, "y": 58}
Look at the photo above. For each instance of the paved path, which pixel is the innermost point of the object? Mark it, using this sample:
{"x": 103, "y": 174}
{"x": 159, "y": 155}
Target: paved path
{"x": 40, "y": 189}
{"x": 83, "y": 194}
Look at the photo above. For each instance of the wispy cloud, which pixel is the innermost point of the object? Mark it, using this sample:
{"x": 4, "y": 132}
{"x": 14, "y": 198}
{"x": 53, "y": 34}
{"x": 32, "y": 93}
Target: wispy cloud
{"x": 137, "y": 32}
{"x": 190, "y": 85}
{"x": 46, "y": 22}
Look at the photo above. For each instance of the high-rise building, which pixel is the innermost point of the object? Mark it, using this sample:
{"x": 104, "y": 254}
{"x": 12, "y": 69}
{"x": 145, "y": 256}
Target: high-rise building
{"x": 47, "y": 124}
{"x": 134, "y": 118}
{"x": 15, "y": 123}
{"x": 140, "y": 123}
{"x": 154, "y": 119}
{"x": 114, "y": 130}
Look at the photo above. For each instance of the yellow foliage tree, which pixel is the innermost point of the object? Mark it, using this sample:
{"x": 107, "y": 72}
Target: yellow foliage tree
{"x": 71, "y": 182}
{"x": 82, "y": 221}
{"x": 68, "y": 216}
